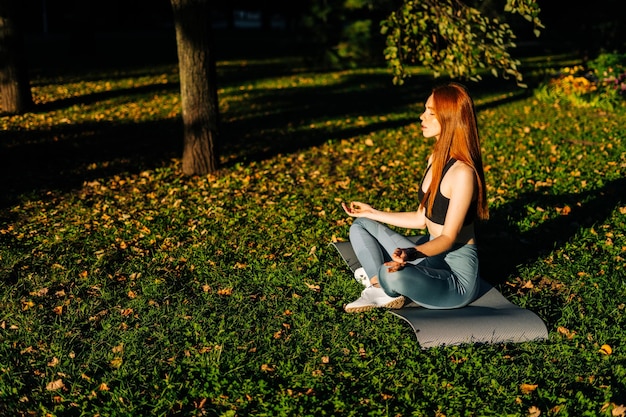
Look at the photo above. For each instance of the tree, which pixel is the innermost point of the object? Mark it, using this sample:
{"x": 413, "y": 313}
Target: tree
{"x": 455, "y": 38}
{"x": 197, "y": 69}
{"x": 15, "y": 95}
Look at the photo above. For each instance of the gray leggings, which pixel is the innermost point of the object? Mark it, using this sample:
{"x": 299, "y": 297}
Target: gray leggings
{"x": 446, "y": 281}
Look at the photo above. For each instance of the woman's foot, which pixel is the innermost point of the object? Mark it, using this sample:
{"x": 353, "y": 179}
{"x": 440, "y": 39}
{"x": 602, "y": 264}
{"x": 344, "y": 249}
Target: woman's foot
{"x": 374, "y": 297}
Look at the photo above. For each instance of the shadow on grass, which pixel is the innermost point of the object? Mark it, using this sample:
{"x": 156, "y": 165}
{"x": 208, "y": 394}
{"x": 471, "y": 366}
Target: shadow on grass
{"x": 62, "y": 158}
{"x": 271, "y": 121}
{"x": 503, "y": 248}
{"x": 93, "y": 98}
{"x": 287, "y": 120}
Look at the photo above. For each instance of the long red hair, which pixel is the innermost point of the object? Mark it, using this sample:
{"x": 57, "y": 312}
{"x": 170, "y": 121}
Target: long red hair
{"x": 458, "y": 139}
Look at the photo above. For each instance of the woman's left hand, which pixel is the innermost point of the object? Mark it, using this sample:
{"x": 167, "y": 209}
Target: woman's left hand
{"x": 393, "y": 266}
{"x": 403, "y": 255}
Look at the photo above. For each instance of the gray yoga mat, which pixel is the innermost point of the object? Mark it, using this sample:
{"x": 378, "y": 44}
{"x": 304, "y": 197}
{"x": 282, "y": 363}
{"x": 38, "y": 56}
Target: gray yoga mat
{"x": 490, "y": 319}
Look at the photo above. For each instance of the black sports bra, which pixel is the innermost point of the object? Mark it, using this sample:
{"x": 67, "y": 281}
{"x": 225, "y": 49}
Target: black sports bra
{"x": 441, "y": 203}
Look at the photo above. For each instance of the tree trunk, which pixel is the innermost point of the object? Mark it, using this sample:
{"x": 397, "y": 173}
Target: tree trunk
{"x": 197, "y": 86}
{"x": 15, "y": 95}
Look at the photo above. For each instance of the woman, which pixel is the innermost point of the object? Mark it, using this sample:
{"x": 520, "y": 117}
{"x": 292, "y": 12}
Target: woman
{"x": 439, "y": 271}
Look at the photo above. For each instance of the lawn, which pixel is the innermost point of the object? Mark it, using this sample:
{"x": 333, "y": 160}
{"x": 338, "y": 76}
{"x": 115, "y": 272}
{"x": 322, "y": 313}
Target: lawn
{"x": 129, "y": 289}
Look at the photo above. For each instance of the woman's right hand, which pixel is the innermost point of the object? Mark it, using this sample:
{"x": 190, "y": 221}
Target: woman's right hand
{"x": 356, "y": 209}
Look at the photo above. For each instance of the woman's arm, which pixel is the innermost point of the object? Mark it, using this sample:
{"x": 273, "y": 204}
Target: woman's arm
{"x": 407, "y": 220}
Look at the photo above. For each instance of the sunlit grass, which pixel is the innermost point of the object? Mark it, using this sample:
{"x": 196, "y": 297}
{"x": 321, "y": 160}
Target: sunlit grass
{"x": 129, "y": 289}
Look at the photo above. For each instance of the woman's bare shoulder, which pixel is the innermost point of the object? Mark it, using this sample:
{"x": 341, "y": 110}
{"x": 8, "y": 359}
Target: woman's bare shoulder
{"x": 460, "y": 174}
{"x": 461, "y": 168}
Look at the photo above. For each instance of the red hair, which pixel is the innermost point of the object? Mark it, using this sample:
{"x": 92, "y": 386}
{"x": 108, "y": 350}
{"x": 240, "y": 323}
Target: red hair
{"x": 458, "y": 139}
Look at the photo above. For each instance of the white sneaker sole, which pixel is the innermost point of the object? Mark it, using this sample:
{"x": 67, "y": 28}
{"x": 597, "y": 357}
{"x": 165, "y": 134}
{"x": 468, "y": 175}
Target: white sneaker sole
{"x": 394, "y": 304}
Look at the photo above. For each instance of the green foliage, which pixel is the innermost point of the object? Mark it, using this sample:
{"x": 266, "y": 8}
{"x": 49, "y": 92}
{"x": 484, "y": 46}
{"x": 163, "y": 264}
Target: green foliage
{"x": 600, "y": 84}
{"x": 342, "y": 33}
{"x": 455, "y": 39}
{"x": 130, "y": 290}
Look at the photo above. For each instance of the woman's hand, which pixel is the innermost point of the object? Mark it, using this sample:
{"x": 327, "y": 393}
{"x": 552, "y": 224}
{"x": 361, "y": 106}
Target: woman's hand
{"x": 393, "y": 266}
{"x": 404, "y": 255}
{"x": 356, "y": 209}
{"x": 400, "y": 258}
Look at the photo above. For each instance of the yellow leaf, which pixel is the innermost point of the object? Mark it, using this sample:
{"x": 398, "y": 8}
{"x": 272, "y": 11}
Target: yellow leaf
{"x": 40, "y": 293}
{"x": 225, "y": 291}
{"x": 566, "y": 332}
{"x": 55, "y": 385}
{"x": 534, "y": 411}
{"x": 267, "y": 368}
{"x": 606, "y": 350}
{"x": 564, "y": 211}
{"x": 527, "y": 388}
{"x": 27, "y": 304}
{"x": 116, "y": 362}
{"x": 618, "y": 411}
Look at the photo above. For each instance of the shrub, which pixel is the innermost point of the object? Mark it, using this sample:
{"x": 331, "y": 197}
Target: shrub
{"x": 600, "y": 84}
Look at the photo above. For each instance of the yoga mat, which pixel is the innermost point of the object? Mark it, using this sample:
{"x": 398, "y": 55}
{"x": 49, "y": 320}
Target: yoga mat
{"x": 490, "y": 319}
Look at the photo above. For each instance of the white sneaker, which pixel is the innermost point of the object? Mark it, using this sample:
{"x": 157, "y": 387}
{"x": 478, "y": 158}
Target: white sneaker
{"x": 361, "y": 277}
{"x": 374, "y": 297}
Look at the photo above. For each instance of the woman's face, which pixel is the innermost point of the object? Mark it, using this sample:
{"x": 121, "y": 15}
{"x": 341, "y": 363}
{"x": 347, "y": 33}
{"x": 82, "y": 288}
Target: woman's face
{"x": 430, "y": 125}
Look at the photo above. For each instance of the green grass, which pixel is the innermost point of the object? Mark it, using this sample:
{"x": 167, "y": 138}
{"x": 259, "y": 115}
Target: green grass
{"x": 128, "y": 289}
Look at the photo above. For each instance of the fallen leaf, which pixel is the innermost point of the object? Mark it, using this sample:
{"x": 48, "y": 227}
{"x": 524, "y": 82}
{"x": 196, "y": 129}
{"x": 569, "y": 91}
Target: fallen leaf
{"x": 40, "y": 293}
{"x": 564, "y": 211}
{"x": 225, "y": 291}
{"x": 527, "y": 388}
{"x": 116, "y": 362}
{"x": 55, "y": 385}
{"x": 534, "y": 411}
{"x": 606, "y": 349}
{"x": 267, "y": 368}
{"x": 566, "y": 332}
{"x": 618, "y": 411}
{"x": 27, "y": 304}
